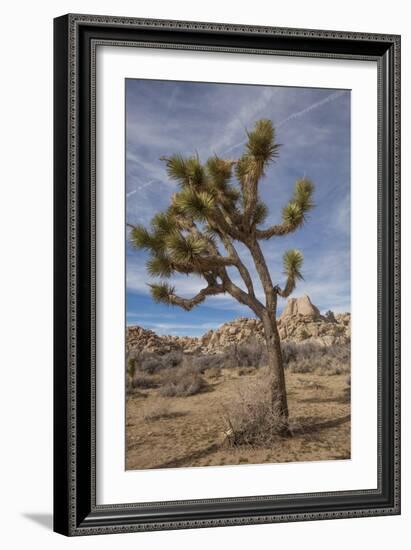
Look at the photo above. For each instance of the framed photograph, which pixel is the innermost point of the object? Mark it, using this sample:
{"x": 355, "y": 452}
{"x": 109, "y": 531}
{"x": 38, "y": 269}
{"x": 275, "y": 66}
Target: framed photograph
{"x": 227, "y": 278}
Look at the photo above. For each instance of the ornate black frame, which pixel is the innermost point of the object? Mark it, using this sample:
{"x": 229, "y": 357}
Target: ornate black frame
{"x": 76, "y": 38}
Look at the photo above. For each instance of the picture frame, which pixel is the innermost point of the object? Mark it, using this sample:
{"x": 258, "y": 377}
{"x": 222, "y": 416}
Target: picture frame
{"x": 76, "y": 39}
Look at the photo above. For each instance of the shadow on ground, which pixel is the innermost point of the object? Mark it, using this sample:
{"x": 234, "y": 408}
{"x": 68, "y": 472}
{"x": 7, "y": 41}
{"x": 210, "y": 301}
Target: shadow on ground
{"x": 45, "y": 520}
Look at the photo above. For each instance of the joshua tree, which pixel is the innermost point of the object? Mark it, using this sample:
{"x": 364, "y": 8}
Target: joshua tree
{"x": 198, "y": 231}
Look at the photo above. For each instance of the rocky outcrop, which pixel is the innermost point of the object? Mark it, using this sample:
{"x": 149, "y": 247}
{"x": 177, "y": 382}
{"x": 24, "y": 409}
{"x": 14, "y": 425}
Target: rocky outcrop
{"x": 300, "y": 306}
{"x": 300, "y": 321}
{"x": 141, "y": 339}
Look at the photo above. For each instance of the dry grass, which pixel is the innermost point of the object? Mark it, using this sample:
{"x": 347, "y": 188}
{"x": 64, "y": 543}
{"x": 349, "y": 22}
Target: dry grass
{"x": 174, "y": 419}
{"x": 190, "y": 431}
{"x": 182, "y": 382}
{"x": 250, "y": 419}
{"x": 155, "y": 411}
{"x": 143, "y": 381}
{"x": 308, "y": 357}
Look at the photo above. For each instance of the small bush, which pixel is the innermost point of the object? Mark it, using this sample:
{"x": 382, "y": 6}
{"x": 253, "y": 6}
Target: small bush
{"x": 250, "y": 419}
{"x": 151, "y": 363}
{"x": 252, "y": 353}
{"x": 131, "y": 366}
{"x": 302, "y": 367}
{"x": 218, "y": 360}
{"x": 143, "y": 381}
{"x": 202, "y": 362}
{"x": 182, "y": 382}
{"x": 289, "y": 351}
{"x": 330, "y": 317}
{"x": 312, "y": 357}
{"x": 172, "y": 359}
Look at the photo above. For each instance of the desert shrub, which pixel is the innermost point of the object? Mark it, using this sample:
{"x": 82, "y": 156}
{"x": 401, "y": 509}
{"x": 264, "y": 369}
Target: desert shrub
{"x": 312, "y": 357}
{"x": 220, "y": 360}
{"x": 331, "y": 368}
{"x": 251, "y": 354}
{"x": 172, "y": 359}
{"x": 296, "y": 352}
{"x": 130, "y": 370}
{"x": 150, "y": 363}
{"x": 182, "y": 382}
{"x": 330, "y": 317}
{"x": 302, "y": 367}
{"x": 143, "y": 381}
{"x": 131, "y": 366}
{"x": 250, "y": 419}
{"x": 289, "y": 351}
{"x": 202, "y": 362}
{"x": 340, "y": 353}
{"x": 248, "y": 354}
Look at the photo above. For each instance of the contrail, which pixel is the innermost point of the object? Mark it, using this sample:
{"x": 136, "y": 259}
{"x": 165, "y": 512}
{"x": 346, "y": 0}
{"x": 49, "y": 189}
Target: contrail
{"x": 293, "y": 116}
{"x": 327, "y": 99}
{"x": 139, "y": 188}
{"x": 320, "y": 103}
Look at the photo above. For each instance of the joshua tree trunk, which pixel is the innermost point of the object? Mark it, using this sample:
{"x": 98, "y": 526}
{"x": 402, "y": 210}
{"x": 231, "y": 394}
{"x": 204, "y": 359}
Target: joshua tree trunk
{"x": 275, "y": 364}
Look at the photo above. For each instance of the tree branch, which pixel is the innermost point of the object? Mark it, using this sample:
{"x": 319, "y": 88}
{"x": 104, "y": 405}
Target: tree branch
{"x": 293, "y": 260}
{"x": 263, "y": 273}
{"x": 287, "y": 290}
{"x": 211, "y": 262}
{"x": 294, "y": 212}
{"x": 250, "y": 199}
{"x": 224, "y": 226}
{"x": 189, "y": 303}
{"x": 276, "y": 230}
{"x": 241, "y": 296}
{"x": 240, "y": 266}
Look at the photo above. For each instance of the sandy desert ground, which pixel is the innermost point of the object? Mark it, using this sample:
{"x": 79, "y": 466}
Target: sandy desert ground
{"x": 171, "y": 432}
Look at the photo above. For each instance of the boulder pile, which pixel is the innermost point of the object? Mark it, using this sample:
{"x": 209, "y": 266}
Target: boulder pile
{"x": 299, "y": 321}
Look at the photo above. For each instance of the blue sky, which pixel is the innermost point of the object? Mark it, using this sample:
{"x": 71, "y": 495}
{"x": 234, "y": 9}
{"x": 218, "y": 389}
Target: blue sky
{"x": 313, "y": 126}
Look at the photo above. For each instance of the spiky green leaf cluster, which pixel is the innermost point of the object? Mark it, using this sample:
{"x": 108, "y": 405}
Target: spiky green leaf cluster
{"x": 241, "y": 168}
{"x": 219, "y": 170}
{"x": 175, "y": 243}
{"x": 294, "y": 212}
{"x": 163, "y": 224}
{"x": 187, "y": 171}
{"x": 141, "y": 237}
{"x": 160, "y": 265}
{"x": 261, "y": 213}
{"x": 261, "y": 141}
{"x": 161, "y": 292}
{"x": 293, "y": 261}
{"x": 303, "y": 192}
{"x": 186, "y": 249}
{"x": 198, "y": 205}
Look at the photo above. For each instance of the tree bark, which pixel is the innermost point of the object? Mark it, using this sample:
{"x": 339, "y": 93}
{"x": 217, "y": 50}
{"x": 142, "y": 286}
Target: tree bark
{"x": 277, "y": 378}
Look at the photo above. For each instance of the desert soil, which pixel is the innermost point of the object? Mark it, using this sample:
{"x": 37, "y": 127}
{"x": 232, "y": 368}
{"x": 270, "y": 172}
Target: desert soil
{"x": 170, "y": 432}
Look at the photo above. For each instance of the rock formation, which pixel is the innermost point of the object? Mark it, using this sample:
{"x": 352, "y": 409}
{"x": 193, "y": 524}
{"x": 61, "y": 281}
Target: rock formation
{"x": 300, "y": 306}
{"x": 300, "y": 321}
